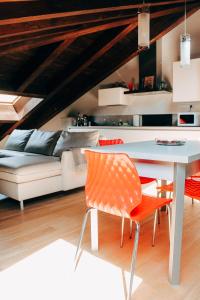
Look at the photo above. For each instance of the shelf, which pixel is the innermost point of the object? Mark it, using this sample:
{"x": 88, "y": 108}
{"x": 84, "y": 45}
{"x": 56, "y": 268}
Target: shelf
{"x": 147, "y": 93}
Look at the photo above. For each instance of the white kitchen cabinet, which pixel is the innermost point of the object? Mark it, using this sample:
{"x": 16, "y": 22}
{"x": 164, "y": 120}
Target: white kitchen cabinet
{"x": 112, "y": 96}
{"x": 186, "y": 82}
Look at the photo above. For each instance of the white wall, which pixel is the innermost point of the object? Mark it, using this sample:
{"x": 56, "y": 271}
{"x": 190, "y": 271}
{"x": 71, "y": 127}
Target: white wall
{"x": 168, "y": 51}
{"x": 170, "y": 45}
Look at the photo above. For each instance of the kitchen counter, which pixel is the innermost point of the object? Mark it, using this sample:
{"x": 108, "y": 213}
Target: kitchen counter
{"x": 154, "y": 128}
{"x": 132, "y": 134}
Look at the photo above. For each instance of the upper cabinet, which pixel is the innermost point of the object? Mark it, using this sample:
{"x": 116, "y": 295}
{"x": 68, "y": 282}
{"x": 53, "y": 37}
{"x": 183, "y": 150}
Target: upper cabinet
{"x": 186, "y": 82}
{"x": 112, "y": 96}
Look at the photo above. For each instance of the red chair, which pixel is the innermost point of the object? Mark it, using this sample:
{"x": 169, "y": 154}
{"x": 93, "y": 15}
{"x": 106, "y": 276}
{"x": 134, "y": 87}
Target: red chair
{"x": 113, "y": 186}
{"x": 143, "y": 180}
{"x": 104, "y": 142}
{"x": 110, "y": 142}
{"x": 192, "y": 188}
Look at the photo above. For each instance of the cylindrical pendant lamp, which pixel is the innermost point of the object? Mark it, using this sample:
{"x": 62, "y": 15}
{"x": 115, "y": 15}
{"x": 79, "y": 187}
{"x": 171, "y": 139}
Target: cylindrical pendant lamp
{"x": 185, "y": 49}
{"x": 144, "y": 28}
{"x": 185, "y": 44}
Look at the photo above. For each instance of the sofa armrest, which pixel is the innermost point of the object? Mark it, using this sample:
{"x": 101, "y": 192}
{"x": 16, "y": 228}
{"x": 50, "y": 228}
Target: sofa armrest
{"x": 74, "y": 169}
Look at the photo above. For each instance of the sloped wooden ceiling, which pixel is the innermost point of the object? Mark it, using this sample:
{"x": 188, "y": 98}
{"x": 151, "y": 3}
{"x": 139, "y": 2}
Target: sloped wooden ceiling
{"x": 59, "y": 50}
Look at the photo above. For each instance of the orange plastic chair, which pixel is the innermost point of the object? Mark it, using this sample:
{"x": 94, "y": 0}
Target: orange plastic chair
{"x": 192, "y": 188}
{"x": 143, "y": 180}
{"x": 113, "y": 186}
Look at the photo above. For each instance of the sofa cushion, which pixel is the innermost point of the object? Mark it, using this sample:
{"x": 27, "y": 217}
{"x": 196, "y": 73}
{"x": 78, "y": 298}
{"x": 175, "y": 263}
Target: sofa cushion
{"x": 69, "y": 140}
{"x": 10, "y": 153}
{"x": 29, "y": 168}
{"x": 18, "y": 140}
{"x": 42, "y": 142}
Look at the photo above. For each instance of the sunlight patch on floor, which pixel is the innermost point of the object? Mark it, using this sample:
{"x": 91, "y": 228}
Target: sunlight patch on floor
{"x": 49, "y": 274}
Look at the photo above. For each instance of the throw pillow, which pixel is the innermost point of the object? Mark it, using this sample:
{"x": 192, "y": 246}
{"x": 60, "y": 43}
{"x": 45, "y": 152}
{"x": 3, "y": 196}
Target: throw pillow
{"x": 69, "y": 140}
{"x": 18, "y": 139}
{"x": 42, "y": 142}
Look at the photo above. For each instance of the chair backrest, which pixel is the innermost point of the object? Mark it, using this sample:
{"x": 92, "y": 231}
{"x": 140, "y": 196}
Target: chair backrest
{"x": 113, "y": 184}
{"x": 103, "y": 142}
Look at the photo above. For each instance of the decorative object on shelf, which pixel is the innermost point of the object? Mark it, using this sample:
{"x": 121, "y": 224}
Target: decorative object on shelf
{"x": 162, "y": 85}
{"x": 143, "y": 27}
{"x": 185, "y": 44}
{"x": 131, "y": 85}
{"x": 148, "y": 83}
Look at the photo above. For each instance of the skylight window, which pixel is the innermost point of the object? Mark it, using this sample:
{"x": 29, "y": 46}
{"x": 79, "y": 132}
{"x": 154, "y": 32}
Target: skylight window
{"x": 9, "y": 99}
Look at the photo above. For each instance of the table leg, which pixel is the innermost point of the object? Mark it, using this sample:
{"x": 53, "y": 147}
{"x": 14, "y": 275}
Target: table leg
{"x": 177, "y": 224}
{"x": 94, "y": 229}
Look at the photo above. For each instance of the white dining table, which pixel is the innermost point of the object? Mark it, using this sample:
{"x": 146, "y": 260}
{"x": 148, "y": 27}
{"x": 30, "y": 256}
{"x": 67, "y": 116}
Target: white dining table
{"x": 173, "y": 163}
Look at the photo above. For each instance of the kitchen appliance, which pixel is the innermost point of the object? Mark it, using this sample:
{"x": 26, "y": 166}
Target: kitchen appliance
{"x": 158, "y": 120}
{"x": 188, "y": 119}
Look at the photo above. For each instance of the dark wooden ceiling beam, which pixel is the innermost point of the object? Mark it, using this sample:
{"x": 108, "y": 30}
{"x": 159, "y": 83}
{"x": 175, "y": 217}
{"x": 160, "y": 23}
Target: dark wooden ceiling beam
{"x": 14, "y": 30}
{"x": 48, "y": 61}
{"x": 88, "y": 11}
{"x": 32, "y": 42}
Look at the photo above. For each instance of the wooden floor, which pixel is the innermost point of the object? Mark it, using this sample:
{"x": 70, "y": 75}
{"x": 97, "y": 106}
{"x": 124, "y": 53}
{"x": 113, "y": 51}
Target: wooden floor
{"x": 58, "y": 218}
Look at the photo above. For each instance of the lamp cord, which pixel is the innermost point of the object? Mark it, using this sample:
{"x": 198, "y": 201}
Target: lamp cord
{"x": 185, "y": 23}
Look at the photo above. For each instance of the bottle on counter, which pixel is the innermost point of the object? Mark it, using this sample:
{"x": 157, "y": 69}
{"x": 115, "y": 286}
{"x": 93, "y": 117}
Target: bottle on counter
{"x": 120, "y": 123}
{"x": 79, "y": 120}
{"x": 85, "y": 120}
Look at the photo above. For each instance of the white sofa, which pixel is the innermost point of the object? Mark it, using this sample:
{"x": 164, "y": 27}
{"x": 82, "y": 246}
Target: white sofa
{"x": 26, "y": 175}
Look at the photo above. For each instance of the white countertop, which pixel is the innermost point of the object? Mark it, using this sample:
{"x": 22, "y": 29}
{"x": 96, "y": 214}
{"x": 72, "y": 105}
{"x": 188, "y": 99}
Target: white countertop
{"x": 149, "y": 150}
{"x": 168, "y": 128}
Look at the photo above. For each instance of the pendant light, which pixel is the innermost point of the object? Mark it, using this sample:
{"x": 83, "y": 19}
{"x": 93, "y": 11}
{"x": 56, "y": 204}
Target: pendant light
{"x": 143, "y": 27}
{"x": 185, "y": 44}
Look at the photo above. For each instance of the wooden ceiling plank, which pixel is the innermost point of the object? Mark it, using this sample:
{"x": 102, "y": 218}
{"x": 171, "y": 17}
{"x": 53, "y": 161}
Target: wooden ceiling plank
{"x": 88, "y": 11}
{"x": 48, "y": 61}
{"x": 23, "y": 45}
{"x": 15, "y": 30}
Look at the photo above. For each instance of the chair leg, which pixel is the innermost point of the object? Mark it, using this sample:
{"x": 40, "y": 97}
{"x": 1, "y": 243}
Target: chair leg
{"x": 158, "y": 194}
{"x": 154, "y": 227}
{"x": 82, "y": 231}
{"x": 131, "y": 229}
{"x": 192, "y": 201}
{"x": 169, "y": 219}
{"x": 122, "y": 233}
{"x": 158, "y": 216}
{"x": 133, "y": 260}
